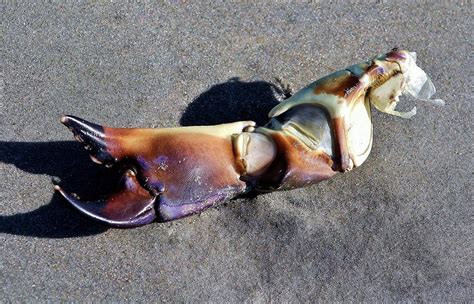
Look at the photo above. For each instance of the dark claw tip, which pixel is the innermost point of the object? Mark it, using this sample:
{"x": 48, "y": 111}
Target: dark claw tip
{"x": 92, "y": 136}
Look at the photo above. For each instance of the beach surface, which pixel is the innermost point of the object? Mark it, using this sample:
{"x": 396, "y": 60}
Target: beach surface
{"x": 398, "y": 228}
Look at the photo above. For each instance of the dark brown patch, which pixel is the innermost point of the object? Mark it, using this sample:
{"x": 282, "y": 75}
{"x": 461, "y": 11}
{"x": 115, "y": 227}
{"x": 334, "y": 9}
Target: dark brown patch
{"x": 295, "y": 165}
{"x": 342, "y": 150}
{"x": 340, "y": 86}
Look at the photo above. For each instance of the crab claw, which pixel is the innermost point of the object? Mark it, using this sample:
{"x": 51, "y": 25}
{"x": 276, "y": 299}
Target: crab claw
{"x": 130, "y": 206}
{"x": 173, "y": 172}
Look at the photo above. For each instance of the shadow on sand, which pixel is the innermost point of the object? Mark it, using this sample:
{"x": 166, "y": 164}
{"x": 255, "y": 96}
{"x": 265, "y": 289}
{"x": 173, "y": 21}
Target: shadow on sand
{"x": 67, "y": 160}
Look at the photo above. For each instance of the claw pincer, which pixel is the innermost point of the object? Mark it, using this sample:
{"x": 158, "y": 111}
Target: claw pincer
{"x": 323, "y": 129}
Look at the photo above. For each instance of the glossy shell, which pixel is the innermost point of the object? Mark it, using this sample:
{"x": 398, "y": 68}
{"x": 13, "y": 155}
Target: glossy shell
{"x": 323, "y": 129}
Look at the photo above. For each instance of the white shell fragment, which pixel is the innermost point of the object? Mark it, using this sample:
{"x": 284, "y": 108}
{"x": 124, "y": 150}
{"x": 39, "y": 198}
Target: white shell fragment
{"x": 419, "y": 85}
{"x": 413, "y": 81}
